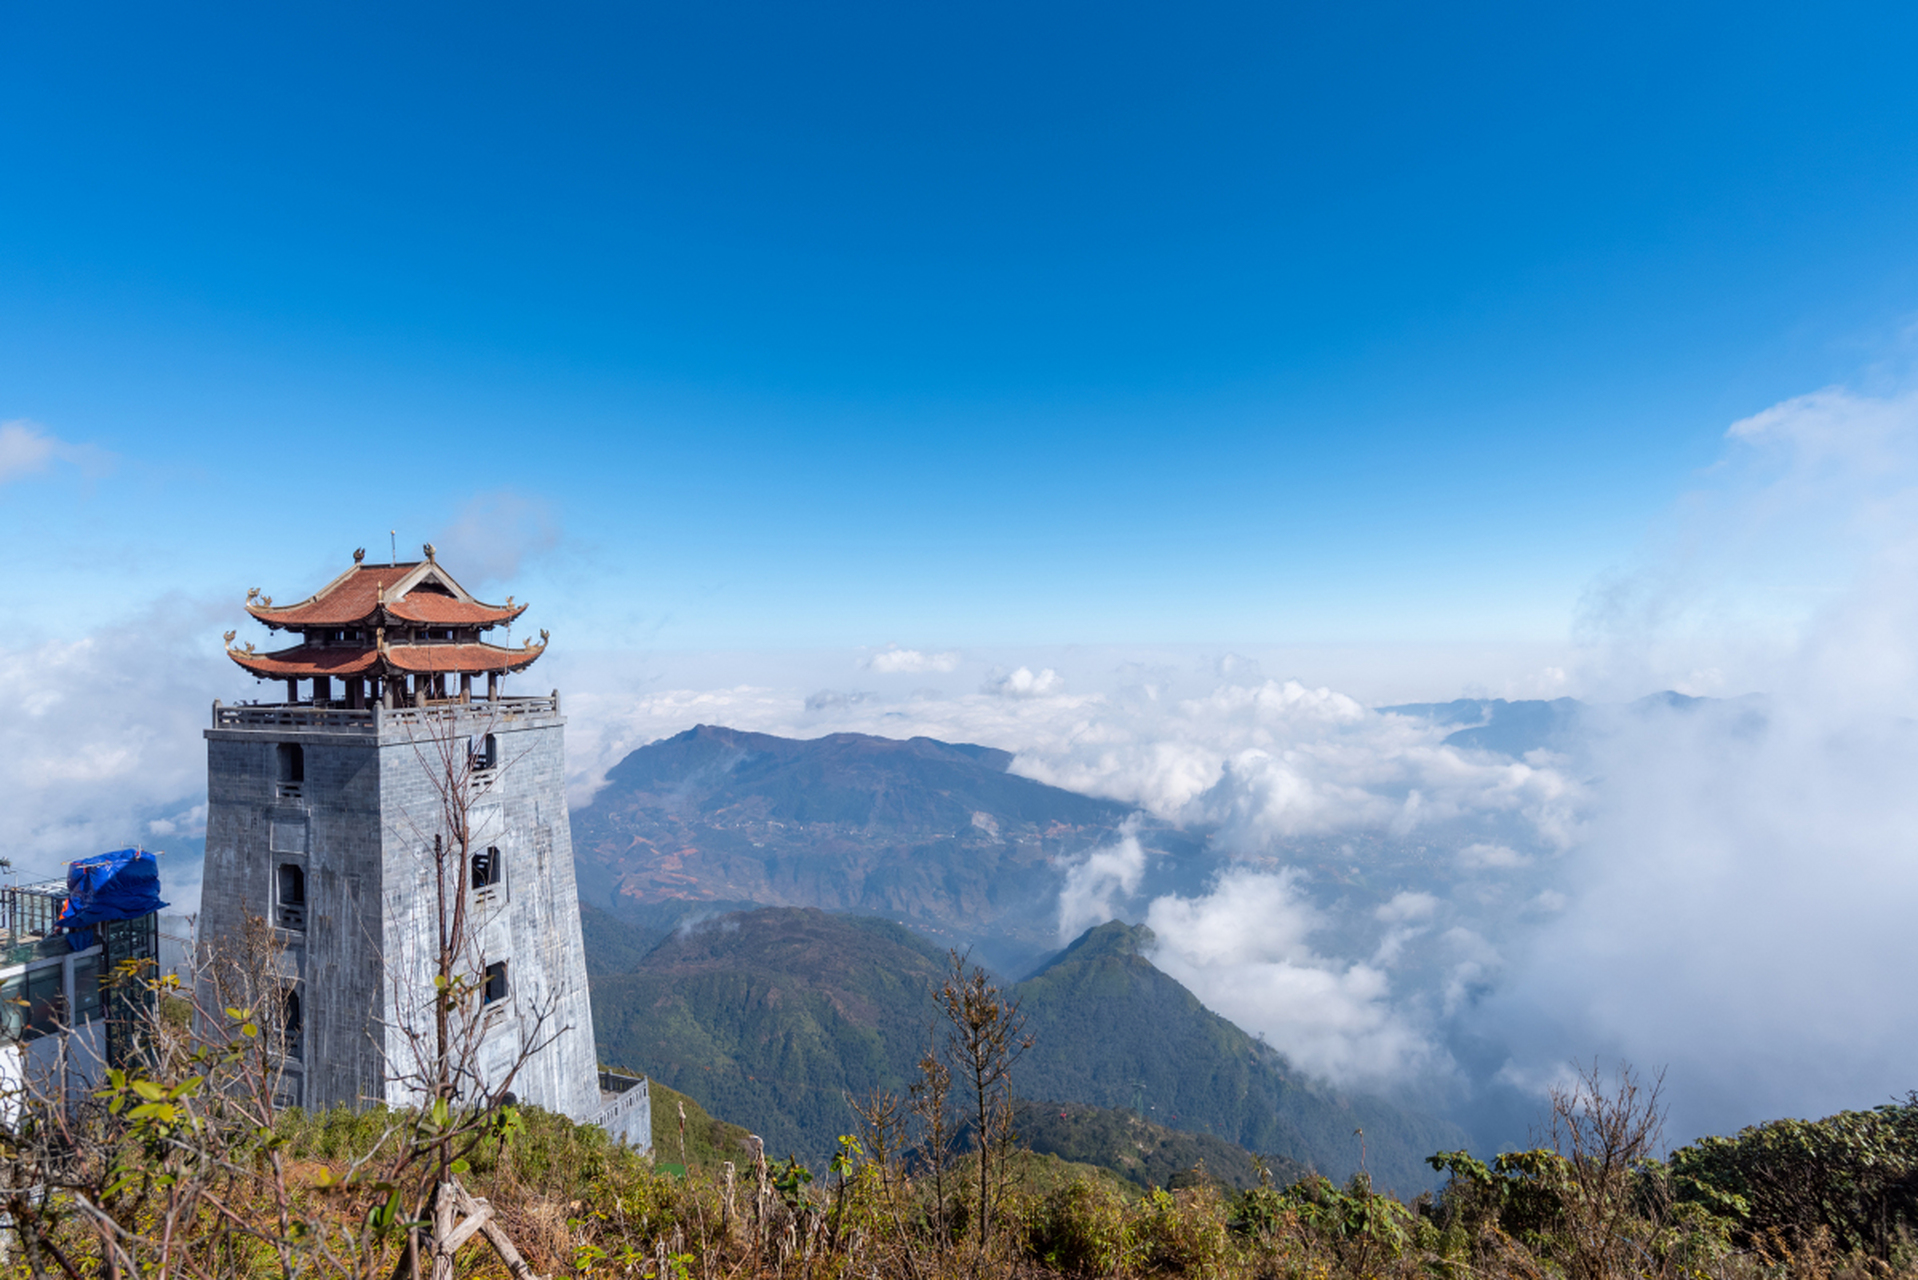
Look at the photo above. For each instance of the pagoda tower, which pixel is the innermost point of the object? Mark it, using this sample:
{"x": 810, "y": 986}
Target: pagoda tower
{"x": 399, "y": 803}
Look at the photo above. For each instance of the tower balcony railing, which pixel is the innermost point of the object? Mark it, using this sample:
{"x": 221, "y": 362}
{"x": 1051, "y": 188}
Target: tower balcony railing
{"x": 329, "y": 717}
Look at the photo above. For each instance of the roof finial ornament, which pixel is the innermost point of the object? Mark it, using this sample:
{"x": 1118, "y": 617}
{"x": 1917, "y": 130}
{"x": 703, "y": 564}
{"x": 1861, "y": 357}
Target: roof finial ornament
{"x": 228, "y": 637}
{"x": 359, "y": 554}
{"x": 252, "y": 594}
{"x": 429, "y": 553}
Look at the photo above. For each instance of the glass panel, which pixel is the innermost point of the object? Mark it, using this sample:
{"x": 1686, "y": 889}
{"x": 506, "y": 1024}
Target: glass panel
{"x": 45, "y": 996}
{"x": 13, "y": 1007}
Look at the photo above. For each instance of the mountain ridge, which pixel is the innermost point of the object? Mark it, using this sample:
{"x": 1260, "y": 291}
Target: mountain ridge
{"x": 779, "y": 1015}
{"x": 936, "y": 835}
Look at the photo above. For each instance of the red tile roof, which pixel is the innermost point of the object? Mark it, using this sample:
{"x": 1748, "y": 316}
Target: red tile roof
{"x": 359, "y": 595}
{"x": 476, "y": 658}
{"x": 438, "y": 610}
{"x": 349, "y": 599}
{"x": 306, "y": 661}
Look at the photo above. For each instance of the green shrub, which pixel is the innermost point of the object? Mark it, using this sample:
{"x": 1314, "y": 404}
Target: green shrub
{"x": 1079, "y": 1228}
{"x": 1183, "y": 1233}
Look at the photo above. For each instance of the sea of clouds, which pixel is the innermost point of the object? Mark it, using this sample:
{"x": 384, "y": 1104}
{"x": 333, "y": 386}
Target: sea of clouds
{"x": 1723, "y": 890}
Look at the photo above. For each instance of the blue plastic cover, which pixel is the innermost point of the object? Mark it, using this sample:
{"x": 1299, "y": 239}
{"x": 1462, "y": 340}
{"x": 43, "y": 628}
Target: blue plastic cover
{"x": 122, "y": 885}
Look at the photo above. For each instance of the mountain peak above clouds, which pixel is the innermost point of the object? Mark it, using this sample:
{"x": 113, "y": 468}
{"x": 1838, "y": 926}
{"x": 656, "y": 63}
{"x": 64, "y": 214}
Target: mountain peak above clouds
{"x": 937, "y": 835}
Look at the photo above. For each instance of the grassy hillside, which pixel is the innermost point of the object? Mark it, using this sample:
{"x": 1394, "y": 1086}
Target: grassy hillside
{"x": 777, "y": 1017}
{"x": 699, "y": 1142}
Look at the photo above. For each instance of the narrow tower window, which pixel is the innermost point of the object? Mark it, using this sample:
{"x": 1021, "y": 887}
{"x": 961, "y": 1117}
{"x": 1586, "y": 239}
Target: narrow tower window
{"x": 292, "y": 896}
{"x": 291, "y": 1022}
{"x": 495, "y": 989}
{"x": 292, "y": 763}
{"x": 488, "y": 868}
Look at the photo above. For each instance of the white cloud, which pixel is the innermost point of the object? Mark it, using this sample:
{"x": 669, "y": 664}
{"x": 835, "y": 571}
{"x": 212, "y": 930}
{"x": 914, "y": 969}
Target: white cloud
{"x": 1023, "y": 683}
{"x": 1244, "y": 950}
{"x": 493, "y": 534}
{"x": 1726, "y": 889}
{"x": 1484, "y": 856}
{"x": 1095, "y": 878}
{"x": 892, "y": 660}
{"x": 27, "y": 448}
{"x": 1408, "y": 905}
{"x": 101, "y": 745}
{"x": 24, "y": 449}
{"x": 1739, "y": 906}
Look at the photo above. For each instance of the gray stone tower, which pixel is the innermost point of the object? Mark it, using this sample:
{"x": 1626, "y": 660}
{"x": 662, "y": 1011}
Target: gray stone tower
{"x": 395, "y": 821}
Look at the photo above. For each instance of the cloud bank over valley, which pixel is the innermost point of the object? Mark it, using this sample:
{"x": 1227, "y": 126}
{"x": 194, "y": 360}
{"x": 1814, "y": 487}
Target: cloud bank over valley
{"x": 1447, "y": 899}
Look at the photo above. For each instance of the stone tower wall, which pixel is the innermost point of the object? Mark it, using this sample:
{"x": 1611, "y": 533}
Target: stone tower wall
{"x": 330, "y": 829}
{"x": 530, "y": 921}
{"x": 361, "y": 824}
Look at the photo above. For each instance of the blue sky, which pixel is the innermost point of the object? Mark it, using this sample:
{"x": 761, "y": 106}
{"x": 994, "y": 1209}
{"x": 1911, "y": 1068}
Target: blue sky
{"x": 839, "y": 325}
{"x": 1167, "y": 382}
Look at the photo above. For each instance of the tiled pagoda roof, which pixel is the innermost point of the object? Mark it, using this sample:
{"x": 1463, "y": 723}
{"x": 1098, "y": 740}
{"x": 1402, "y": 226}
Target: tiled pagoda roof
{"x": 369, "y": 595}
{"x": 382, "y": 608}
{"x": 305, "y": 661}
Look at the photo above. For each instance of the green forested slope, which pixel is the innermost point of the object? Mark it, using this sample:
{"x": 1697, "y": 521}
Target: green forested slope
{"x": 1116, "y": 1032}
{"x": 774, "y": 1018}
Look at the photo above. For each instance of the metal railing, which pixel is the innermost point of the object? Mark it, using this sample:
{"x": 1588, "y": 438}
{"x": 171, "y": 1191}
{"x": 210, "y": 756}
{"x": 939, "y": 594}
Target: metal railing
{"x": 30, "y": 910}
{"x": 305, "y": 716}
{"x": 28, "y": 917}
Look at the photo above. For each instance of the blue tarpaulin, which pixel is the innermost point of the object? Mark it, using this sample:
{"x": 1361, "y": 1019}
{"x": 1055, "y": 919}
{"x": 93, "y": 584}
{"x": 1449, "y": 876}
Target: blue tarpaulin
{"x": 122, "y": 885}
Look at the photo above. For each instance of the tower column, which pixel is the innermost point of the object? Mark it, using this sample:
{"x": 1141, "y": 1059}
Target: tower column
{"x": 492, "y": 685}
{"x": 292, "y": 689}
{"x": 466, "y": 686}
{"x": 322, "y": 688}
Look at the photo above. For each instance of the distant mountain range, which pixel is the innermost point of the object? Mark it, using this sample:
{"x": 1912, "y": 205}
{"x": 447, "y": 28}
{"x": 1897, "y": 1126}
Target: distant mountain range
{"x": 942, "y": 839}
{"x": 931, "y": 834}
{"x": 1561, "y": 725}
{"x": 773, "y": 1018}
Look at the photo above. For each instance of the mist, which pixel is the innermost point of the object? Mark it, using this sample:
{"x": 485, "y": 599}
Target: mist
{"x": 1717, "y": 885}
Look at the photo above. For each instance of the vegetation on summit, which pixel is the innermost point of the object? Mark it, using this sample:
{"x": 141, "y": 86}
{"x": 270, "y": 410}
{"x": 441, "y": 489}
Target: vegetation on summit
{"x": 180, "y": 1174}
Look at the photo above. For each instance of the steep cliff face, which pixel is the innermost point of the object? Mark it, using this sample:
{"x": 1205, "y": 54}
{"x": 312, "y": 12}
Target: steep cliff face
{"x": 932, "y": 834}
